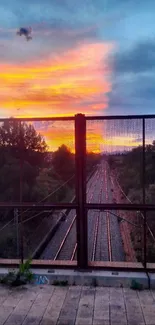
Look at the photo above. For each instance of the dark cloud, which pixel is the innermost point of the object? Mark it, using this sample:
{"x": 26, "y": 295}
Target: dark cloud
{"x": 144, "y": 87}
{"x": 139, "y": 59}
{"x": 133, "y": 96}
{"x": 133, "y": 90}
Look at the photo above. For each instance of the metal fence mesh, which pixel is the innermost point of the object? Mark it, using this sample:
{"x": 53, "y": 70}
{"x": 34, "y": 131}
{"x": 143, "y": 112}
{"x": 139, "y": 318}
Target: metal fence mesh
{"x": 38, "y": 164}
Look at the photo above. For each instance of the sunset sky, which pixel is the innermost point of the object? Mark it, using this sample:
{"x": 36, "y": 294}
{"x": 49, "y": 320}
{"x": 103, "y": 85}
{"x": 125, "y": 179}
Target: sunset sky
{"x": 93, "y": 56}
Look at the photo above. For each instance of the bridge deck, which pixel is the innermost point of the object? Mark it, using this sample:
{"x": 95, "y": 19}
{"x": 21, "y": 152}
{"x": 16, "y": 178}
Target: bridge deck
{"x": 42, "y": 305}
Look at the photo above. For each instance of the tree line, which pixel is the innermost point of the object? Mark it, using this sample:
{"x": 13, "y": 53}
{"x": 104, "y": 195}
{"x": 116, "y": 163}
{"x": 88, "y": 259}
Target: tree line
{"x": 128, "y": 168}
{"x": 25, "y": 156}
{"x": 24, "y": 150}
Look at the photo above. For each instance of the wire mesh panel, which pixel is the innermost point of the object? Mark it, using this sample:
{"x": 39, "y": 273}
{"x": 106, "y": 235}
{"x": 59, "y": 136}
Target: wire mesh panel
{"x": 150, "y": 237}
{"x": 150, "y": 160}
{"x": 48, "y": 169}
{"x": 37, "y": 164}
{"x": 115, "y": 236}
{"x": 9, "y": 188}
{"x": 115, "y": 176}
{"x": 114, "y": 159}
{"x": 150, "y": 187}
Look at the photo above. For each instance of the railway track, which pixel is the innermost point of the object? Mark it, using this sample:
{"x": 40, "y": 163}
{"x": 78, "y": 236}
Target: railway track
{"x": 115, "y": 243}
{"x": 70, "y": 237}
{"x": 107, "y": 244}
{"x": 104, "y": 239}
{"x": 66, "y": 234}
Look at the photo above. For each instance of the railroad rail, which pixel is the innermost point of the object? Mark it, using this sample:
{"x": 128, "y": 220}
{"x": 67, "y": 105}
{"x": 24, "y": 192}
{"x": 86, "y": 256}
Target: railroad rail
{"x": 101, "y": 243}
{"x": 69, "y": 237}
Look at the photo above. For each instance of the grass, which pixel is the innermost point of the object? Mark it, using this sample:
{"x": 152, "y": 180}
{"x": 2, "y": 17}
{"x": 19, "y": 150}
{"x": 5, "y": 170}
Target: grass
{"x": 60, "y": 283}
{"x": 20, "y": 277}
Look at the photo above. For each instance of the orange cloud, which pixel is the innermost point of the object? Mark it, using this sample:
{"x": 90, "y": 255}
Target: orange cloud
{"x": 63, "y": 133}
{"x": 77, "y": 81}
{"x": 97, "y": 140}
{"x": 64, "y": 85}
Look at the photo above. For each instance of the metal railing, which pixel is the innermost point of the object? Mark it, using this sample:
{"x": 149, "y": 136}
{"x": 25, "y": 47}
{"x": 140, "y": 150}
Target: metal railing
{"x": 80, "y": 203}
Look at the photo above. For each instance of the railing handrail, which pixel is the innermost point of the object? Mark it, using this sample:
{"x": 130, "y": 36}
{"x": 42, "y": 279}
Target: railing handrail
{"x": 72, "y": 118}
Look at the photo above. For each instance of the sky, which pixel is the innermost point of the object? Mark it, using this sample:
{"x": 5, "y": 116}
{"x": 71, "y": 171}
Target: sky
{"x": 95, "y": 57}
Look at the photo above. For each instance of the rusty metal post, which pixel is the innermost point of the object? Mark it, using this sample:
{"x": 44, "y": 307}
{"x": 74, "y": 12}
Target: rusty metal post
{"x": 144, "y": 196}
{"x": 80, "y": 164}
{"x": 21, "y": 194}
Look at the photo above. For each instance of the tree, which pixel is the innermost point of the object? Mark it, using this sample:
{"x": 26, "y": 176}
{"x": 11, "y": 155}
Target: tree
{"x": 19, "y": 142}
{"x": 14, "y": 133}
{"x": 63, "y": 163}
{"x": 92, "y": 160}
{"x": 20, "y": 139}
{"x": 45, "y": 184}
{"x": 131, "y": 180}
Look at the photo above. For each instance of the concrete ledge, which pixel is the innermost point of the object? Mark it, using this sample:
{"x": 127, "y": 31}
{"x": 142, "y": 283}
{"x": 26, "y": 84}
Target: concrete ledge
{"x": 90, "y": 278}
{"x": 152, "y": 280}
